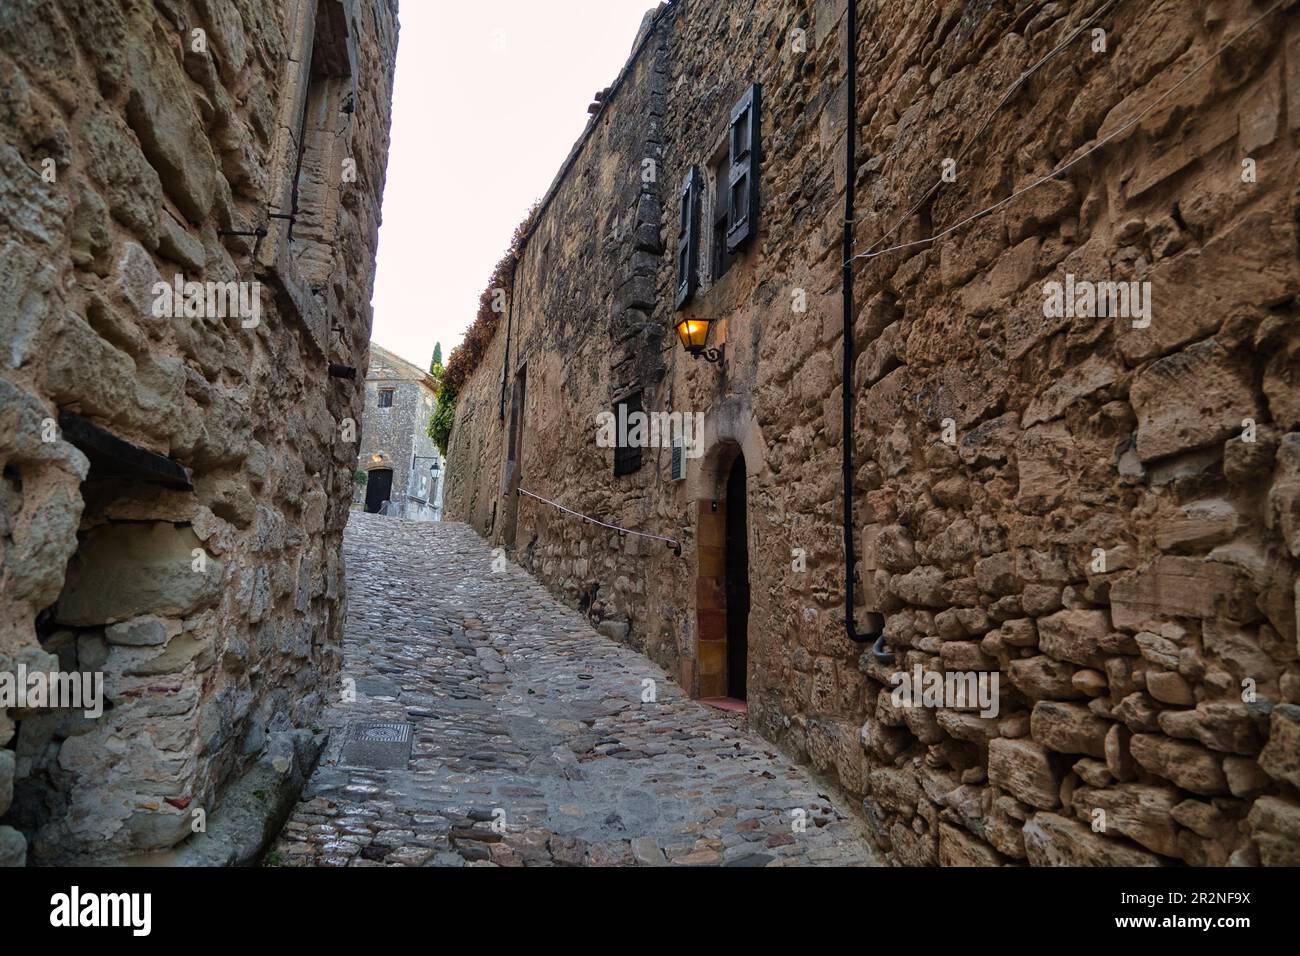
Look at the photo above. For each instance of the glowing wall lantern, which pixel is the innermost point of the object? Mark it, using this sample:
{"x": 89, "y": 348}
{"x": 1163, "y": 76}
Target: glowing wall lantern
{"x": 694, "y": 334}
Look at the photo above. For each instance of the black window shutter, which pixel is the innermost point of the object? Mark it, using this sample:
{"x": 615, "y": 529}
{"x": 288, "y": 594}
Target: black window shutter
{"x": 626, "y": 459}
{"x": 688, "y": 239}
{"x": 746, "y": 158}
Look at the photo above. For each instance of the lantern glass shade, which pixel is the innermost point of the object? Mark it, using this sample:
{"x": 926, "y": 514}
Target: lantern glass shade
{"x": 694, "y": 334}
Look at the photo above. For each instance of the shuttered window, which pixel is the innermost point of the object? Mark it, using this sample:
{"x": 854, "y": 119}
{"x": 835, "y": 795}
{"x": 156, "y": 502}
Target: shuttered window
{"x": 745, "y": 159}
{"x": 627, "y": 459}
{"x": 688, "y": 239}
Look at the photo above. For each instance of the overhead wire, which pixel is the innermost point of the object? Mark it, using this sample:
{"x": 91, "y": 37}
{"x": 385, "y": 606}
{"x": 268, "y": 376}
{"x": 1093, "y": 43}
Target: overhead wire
{"x": 613, "y": 527}
{"x": 1109, "y": 138}
{"x": 1006, "y": 98}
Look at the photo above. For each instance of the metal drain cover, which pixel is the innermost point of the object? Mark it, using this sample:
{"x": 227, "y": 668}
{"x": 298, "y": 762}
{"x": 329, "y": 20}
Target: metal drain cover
{"x": 381, "y": 744}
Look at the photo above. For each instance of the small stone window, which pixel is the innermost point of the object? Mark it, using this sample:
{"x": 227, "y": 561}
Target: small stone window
{"x": 322, "y": 144}
{"x": 312, "y": 158}
{"x": 719, "y": 201}
{"x": 386, "y": 398}
{"x": 627, "y": 457}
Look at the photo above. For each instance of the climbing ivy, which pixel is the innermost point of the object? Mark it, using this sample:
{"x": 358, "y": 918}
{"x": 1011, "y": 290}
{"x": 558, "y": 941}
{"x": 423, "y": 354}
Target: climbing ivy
{"x": 440, "y": 422}
{"x": 465, "y": 358}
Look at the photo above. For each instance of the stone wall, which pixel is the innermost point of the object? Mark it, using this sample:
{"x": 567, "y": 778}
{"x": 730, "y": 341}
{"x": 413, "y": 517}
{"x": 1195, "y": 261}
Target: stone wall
{"x": 1099, "y": 511}
{"x": 398, "y": 433}
{"x": 175, "y": 483}
{"x": 587, "y": 326}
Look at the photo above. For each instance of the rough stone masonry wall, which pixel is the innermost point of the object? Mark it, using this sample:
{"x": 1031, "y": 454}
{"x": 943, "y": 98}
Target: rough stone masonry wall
{"x": 582, "y": 327}
{"x": 130, "y": 149}
{"x": 1161, "y": 686}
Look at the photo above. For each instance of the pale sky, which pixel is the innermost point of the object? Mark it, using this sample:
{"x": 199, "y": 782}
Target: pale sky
{"x": 490, "y": 95}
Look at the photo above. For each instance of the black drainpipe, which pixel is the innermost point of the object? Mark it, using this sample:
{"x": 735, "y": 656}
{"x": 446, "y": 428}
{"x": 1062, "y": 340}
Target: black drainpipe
{"x": 876, "y": 638}
{"x": 510, "y": 321}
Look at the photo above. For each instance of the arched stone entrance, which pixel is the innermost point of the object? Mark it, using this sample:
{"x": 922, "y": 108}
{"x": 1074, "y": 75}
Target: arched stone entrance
{"x": 718, "y": 489}
{"x": 379, "y": 488}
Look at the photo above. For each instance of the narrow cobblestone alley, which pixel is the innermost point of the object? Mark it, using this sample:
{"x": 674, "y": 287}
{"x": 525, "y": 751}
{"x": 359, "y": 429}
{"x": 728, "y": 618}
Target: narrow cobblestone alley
{"x": 529, "y": 740}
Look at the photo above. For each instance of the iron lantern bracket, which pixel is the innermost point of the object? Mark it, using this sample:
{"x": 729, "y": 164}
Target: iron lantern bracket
{"x": 717, "y": 355}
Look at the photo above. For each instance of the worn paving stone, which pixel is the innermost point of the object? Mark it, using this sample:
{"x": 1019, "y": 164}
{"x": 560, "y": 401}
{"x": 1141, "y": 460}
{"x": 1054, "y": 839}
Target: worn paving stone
{"x": 531, "y": 745}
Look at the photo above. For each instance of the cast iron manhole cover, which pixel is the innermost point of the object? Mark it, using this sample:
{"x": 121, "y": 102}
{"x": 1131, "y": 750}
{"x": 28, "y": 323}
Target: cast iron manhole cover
{"x": 377, "y": 732}
{"x": 382, "y": 744}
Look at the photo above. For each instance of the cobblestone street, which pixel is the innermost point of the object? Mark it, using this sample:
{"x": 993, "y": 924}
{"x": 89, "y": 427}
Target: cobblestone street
{"x": 529, "y": 740}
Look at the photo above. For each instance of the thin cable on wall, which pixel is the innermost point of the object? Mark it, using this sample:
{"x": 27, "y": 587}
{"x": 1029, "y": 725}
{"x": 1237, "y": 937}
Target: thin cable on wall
{"x": 671, "y": 542}
{"x": 961, "y": 224}
{"x": 1006, "y": 98}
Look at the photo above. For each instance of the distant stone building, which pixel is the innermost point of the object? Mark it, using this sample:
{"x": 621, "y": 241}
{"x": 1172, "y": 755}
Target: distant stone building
{"x": 189, "y": 206}
{"x": 1096, "y": 503}
{"x": 404, "y": 471}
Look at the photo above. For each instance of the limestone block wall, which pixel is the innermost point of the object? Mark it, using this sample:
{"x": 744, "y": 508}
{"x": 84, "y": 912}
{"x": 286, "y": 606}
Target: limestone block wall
{"x": 1098, "y": 509}
{"x": 583, "y": 333}
{"x": 141, "y": 142}
{"x": 1108, "y": 531}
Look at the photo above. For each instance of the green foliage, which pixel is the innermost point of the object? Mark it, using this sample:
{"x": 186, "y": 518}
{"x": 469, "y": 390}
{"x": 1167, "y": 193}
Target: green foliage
{"x": 443, "y": 417}
{"x": 465, "y": 358}
{"x": 360, "y": 476}
{"x": 436, "y": 370}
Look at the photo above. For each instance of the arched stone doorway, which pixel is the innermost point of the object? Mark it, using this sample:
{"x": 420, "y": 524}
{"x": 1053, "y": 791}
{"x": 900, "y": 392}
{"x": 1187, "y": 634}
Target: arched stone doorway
{"x": 719, "y": 488}
{"x": 379, "y": 488}
{"x": 717, "y": 573}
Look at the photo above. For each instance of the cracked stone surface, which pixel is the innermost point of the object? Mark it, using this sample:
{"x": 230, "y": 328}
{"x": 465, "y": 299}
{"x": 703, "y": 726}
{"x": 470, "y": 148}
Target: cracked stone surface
{"x": 532, "y": 743}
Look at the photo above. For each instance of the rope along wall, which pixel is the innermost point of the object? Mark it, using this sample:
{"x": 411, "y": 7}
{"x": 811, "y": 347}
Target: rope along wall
{"x": 671, "y": 542}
